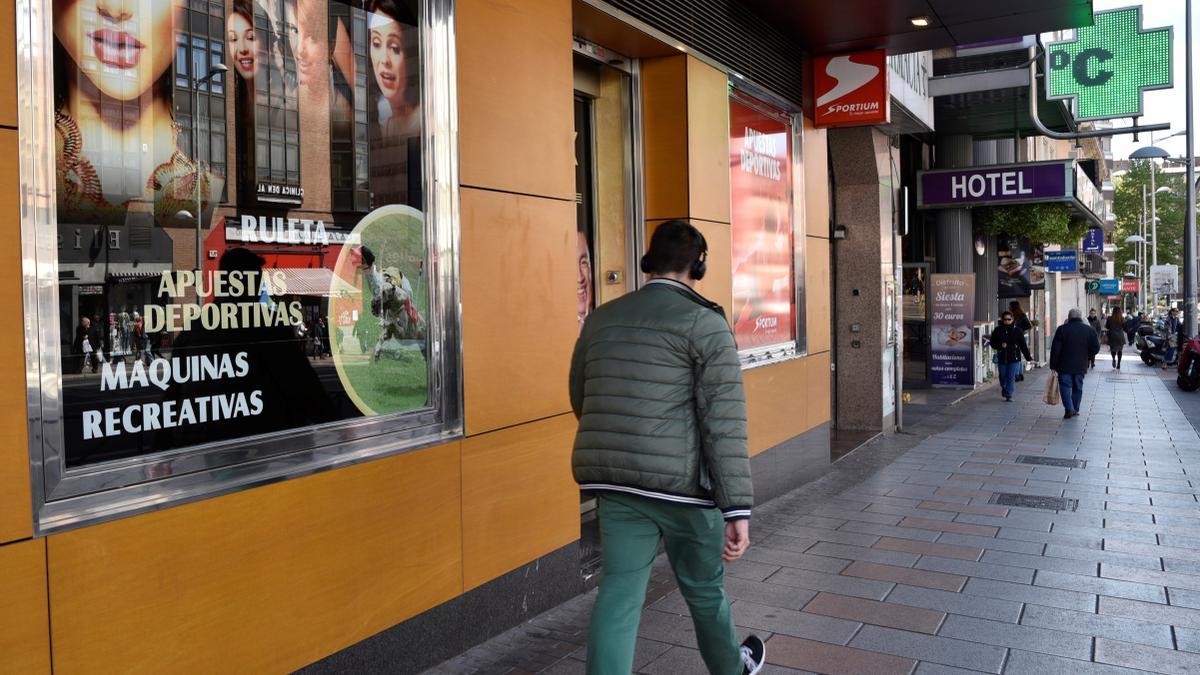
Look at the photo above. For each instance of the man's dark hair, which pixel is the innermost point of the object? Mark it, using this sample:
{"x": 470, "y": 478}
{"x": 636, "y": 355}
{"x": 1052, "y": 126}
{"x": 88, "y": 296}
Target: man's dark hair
{"x": 675, "y": 247}
{"x": 1004, "y": 314}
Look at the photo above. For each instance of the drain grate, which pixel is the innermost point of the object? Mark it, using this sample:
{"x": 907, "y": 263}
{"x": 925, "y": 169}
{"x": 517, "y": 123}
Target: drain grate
{"x": 1063, "y": 462}
{"x": 1034, "y": 501}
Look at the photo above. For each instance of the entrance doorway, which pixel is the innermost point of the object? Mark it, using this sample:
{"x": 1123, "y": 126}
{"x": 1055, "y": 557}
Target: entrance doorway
{"x": 609, "y": 230}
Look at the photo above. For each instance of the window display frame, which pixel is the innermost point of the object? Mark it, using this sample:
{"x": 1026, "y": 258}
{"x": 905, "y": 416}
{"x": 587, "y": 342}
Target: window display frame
{"x": 70, "y": 497}
{"x": 748, "y": 94}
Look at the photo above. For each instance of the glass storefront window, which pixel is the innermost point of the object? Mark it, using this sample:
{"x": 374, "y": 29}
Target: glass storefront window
{"x": 767, "y": 250}
{"x": 246, "y": 264}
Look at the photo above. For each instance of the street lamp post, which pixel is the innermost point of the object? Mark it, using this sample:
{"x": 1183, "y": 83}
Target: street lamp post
{"x": 213, "y": 70}
{"x": 1152, "y": 153}
{"x": 1189, "y": 222}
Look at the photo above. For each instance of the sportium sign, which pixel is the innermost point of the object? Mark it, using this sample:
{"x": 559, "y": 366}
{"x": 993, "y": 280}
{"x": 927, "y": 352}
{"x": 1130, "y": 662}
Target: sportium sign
{"x": 852, "y": 89}
{"x": 996, "y": 184}
{"x": 1109, "y": 64}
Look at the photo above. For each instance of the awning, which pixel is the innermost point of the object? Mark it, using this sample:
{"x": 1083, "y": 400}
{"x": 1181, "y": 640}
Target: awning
{"x": 99, "y": 273}
{"x": 314, "y": 281}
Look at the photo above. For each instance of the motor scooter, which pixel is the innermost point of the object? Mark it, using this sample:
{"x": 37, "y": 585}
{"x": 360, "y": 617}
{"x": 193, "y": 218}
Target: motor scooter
{"x": 1151, "y": 343}
{"x": 1189, "y": 365}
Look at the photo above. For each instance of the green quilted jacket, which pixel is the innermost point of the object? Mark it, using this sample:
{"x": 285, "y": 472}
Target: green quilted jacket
{"x": 657, "y": 387}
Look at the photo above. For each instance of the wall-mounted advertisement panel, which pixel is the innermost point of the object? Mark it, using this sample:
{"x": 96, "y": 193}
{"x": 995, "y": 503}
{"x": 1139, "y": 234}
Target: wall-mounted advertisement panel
{"x": 764, "y": 238}
{"x": 244, "y": 248}
{"x": 952, "y": 313}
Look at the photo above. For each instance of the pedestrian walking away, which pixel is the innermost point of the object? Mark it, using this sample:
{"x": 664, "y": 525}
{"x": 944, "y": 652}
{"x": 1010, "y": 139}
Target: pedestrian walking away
{"x": 1097, "y": 325}
{"x": 656, "y": 385}
{"x": 1116, "y": 336}
{"x": 1075, "y": 345}
{"x": 1008, "y": 341}
{"x": 1173, "y": 328}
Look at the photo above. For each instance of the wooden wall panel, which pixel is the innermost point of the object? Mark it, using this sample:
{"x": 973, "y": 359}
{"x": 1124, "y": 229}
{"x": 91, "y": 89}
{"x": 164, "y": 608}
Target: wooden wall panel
{"x": 16, "y": 512}
{"x": 24, "y": 621}
{"x": 519, "y": 499}
{"x": 8, "y": 66}
{"x": 816, "y": 180}
{"x": 817, "y": 297}
{"x": 787, "y": 399}
{"x": 519, "y": 307}
{"x": 708, "y": 141}
{"x": 516, "y": 125}
{"x": 266, "y": 580}
{"x": 665, "y": 136}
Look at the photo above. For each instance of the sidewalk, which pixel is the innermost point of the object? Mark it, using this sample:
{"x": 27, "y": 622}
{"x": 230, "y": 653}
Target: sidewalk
{"x": 951, "y": 549}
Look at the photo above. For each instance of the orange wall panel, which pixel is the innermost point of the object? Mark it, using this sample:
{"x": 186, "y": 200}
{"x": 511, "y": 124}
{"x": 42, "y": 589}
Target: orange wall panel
{"x": 665, "y": 137}
{"x": 516, "y": 122}
{"x": 266, "y": 580}
{"x": 786, "y": 399}
{"x": 816, "y": 180}
{"x": 16, "y": 512}
{"x": 708, "y": 141}
{"x": 8, "y": 66}
{"x": 519, "y": 307}
{"x": 817, "y": 283}
{"x": 519, "y": 499}
{"x": 24, "y": 622}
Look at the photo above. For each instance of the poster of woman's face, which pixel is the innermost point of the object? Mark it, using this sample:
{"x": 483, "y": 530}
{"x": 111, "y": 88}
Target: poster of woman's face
{"x": 123, "y": 51}
{"x": 391, "y": 37}
{"x": 305, "y": 22}
{"x": 242, "y": 43}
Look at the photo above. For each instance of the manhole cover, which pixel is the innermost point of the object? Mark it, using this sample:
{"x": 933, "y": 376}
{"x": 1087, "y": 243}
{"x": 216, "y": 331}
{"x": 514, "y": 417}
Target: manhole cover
{"x": 1119, "y": 380}
{"x": 1052, "y": 461}
{"x": 1034, "y": 501}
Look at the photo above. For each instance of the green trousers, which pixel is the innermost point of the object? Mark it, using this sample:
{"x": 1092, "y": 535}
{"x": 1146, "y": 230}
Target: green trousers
{"x": 630, "y": 528}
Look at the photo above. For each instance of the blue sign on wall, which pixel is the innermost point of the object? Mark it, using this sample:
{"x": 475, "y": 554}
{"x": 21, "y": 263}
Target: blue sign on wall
{"x": 1093, "y": 241}
{"x": 1110, "y": 287}
{"x": 1062, "y": 261}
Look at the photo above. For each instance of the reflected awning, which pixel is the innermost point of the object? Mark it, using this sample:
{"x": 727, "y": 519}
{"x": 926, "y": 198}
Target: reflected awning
{"x": 314, "y": 281}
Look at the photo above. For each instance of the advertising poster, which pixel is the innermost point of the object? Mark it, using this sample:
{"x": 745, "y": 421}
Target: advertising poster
{"x": 263, "y": 317}
{"x": 852, "y": 89}
{"x": 1062, "y": 261}
{"x": 1014, "y": 270}
{"x": 952, "y": 298}
{"x": 760, "y": 170}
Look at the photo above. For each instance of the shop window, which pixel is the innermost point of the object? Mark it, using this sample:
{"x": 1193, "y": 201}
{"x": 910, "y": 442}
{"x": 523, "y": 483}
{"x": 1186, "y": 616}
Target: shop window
{"x": 767, "y": 236}
{"x": 210, "y": 324}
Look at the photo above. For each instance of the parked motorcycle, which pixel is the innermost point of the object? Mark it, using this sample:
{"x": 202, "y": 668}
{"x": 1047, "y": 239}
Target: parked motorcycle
{"x": 1151, "y": 342}
{"x": 1189, "y": 366}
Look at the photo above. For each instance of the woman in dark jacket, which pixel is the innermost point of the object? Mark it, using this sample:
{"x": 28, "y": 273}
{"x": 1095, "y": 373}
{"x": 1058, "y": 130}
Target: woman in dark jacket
{"x": 1098, "y": 326}
{"x": 1116, "y": 336}
{"x": 1009, "y": 343}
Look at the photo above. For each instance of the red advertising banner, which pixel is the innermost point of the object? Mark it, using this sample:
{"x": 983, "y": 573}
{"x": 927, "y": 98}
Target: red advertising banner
{"x": 1129, "y": 286}
{"x": 760, "y": 176}
{"x": 851, "y": 89}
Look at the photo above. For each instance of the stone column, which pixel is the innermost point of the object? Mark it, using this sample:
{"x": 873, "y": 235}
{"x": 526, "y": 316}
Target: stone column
{"x": 955, "y": 240}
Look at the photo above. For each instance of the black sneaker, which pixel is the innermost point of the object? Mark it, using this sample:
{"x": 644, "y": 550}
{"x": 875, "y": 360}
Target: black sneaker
{"x": 754, "y": 655}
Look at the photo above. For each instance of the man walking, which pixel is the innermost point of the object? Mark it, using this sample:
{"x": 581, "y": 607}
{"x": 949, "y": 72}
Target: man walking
{"x": 1075, "y": 346}
{"x": 657, "y": 387}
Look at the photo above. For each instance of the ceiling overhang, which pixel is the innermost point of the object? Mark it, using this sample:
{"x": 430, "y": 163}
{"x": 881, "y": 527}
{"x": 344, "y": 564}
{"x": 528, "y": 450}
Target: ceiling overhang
{"x": 847, "y": 25}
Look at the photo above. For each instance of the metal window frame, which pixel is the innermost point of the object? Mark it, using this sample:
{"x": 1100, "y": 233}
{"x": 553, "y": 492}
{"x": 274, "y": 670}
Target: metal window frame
{"x": 67, "y": 498}
{"x": 747, "y": 93}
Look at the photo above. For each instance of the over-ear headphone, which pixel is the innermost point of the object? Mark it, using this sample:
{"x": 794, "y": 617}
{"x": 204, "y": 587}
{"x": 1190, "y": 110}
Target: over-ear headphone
{"x": 700, "y": 267}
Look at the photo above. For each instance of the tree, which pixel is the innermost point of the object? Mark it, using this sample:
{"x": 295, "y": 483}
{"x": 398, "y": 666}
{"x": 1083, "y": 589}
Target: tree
{"x": 1127, "y": 204}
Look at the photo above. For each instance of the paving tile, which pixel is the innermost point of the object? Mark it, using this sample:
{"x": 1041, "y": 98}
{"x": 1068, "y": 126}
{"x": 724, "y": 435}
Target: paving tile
{"x": 976, "y": 509}
{"x": 956, "y": 603}
{"x": 687, "y": 660}
{"x": 927, "y": 668}
{"x": 671, "y": 628}
{"x": 890, "y": 531}
{"x": 1187, "y": 640}
{"x": 832, "y": 659}
{"x": 1042, "y": 562}
{"x": 1050, "y": 597}
{"x": 1146, "y": 658}
{"x": 926, "y": 548}
{"x": 876, "y": 613}
{"x": 1098, "y": 625}
{"x": 962, "y": 492}
{"x": 877, "y": 518}
{"x": 819, "y": 522}
{"x": 804, "y": 561}
{"x": 1150, "y": 611}
{"x": 1091, "y": 584}
{"x": 992, "y": 543}
{"x": 1181, "y": 597}
{"x": 791, "y": 622}
{"x": 1154, "y": 550}
{"x": 956, "y": 528}
{"x": 805, "y": 534}
{"x": 1017, "y": 575}
{"x": 859, "y": 553}
{"x": 941, "y": 650}
{"x": 905, "y": 575}
{"x": 1019, "y": 519}
{"x": 1055, "y": 536}
{"x": 1030, "y": 638}
{"x": 1074, "y": 553}
{"x": 748, "y": 569}
{"x": 1002, "y": 480}
{"x": 832, "y": 583}
{"x": 1145, "y": 576}
{"x": 1029, "y": 663}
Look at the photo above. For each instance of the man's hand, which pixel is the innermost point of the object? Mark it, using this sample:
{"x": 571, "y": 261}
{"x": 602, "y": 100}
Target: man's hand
{"x": 737, "y": 539}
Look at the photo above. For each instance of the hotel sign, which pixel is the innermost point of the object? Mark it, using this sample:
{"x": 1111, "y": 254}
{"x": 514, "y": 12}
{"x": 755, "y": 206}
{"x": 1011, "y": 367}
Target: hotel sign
{"x": 998, "y": 184}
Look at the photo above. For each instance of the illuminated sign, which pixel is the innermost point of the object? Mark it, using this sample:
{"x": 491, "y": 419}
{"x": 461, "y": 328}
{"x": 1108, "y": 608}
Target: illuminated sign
{"x": 1109, "y": 286}
{"x": 1062, "y": 261}
{"x": 1108, "y": 65}
{"x": 1093, "y": 241}
{"x": 852, "y": 89}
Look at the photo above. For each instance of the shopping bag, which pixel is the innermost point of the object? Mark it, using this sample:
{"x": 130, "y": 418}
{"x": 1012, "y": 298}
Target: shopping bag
{"x": 1052, "y": 396}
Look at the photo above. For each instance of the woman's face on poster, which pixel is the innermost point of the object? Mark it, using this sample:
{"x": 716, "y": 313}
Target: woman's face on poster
{"x": 124, "y": 46}
{"x": 584, "y": 280}
{"x": 243, "y": 45}
{"x": 308, "y": 46}
{"x": 387, "y": 57}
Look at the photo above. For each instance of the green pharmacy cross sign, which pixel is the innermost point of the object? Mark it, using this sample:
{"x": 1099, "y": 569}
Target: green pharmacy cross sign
{"x": 1109, "y": 64}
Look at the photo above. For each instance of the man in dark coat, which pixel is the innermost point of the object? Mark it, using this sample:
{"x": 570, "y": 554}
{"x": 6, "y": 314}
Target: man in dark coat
{"x": 1075, "y": 346}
